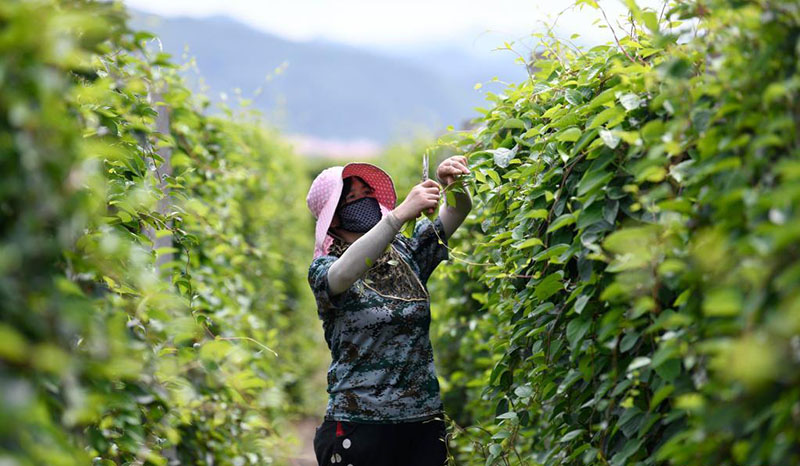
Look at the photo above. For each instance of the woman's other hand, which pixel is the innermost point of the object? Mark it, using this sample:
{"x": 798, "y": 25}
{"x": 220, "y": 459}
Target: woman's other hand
{"x": 450, "y": 168}
{"x": 424, "y": 196}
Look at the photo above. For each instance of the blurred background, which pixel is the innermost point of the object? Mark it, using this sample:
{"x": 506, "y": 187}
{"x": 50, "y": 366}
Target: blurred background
{"x": 344, "y": 79}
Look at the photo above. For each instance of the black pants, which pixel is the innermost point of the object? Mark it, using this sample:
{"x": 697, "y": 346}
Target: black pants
{"x": 411, "y": 443}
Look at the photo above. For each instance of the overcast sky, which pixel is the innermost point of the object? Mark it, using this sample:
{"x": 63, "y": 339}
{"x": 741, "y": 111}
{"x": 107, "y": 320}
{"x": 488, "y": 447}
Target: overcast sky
{"x": 483, "y": 24}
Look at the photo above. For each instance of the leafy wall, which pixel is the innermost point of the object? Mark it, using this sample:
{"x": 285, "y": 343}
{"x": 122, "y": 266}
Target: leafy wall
{"x": 151, "y": 266}
{"x": 628, "y": 290}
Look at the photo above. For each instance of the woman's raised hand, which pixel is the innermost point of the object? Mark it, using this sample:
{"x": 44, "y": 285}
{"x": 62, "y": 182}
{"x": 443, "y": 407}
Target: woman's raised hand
{"x": 424, "y": 196}
{"x": 451, "y": 168}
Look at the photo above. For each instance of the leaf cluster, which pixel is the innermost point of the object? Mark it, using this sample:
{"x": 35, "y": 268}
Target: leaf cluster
{"x": 635, "y": 242}
{"x": 152, "y": 272}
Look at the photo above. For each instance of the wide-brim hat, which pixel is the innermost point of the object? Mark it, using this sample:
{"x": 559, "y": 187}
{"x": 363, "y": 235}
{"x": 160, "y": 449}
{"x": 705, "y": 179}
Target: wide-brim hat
{"x": 326, "y": 189}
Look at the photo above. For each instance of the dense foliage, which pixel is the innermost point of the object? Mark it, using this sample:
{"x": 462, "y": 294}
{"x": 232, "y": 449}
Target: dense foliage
{"x": 631, "y": 295}
{"x": 114, "y": 347}
{"x": 625, "y": 291}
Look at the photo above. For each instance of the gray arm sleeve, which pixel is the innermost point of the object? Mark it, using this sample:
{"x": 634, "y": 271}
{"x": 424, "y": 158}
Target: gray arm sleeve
{"x": 351, "y": 266}
{"x": 453, "y": 216}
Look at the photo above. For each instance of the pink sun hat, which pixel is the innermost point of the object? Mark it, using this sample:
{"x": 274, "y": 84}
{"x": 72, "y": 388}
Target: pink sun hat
{"x": 326, "y": 189}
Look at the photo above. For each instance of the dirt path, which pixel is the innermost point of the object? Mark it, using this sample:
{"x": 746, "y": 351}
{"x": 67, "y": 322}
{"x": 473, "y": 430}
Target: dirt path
{"x": 305, "y": 430}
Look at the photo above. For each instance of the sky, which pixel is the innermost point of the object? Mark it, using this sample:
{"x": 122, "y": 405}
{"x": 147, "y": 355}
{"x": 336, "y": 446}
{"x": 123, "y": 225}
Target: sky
{"x": 479, "y": 25}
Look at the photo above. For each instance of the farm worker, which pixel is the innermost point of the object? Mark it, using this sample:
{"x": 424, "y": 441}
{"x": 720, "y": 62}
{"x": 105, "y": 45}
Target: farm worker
{"x": 369, "y": 281}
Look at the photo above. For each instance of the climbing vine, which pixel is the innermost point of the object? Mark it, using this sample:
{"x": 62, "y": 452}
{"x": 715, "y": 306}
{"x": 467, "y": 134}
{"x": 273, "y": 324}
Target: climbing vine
{"x": 151, "y": 285}
{"x": 631, "y": 292}
{"x": 627, "y": 281}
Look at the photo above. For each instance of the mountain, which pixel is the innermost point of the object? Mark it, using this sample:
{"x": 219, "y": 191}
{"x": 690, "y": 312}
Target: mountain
{"x": 330, "y": 90}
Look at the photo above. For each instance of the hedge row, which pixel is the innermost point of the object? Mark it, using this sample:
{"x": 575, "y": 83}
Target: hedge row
{"x": 632, "y": 283}
{"x": 114, "y": 348}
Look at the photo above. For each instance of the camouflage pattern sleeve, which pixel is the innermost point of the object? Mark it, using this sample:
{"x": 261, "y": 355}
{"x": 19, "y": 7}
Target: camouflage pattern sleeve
{"x": 318, "y": 280}
{"x": 427, "y": 249}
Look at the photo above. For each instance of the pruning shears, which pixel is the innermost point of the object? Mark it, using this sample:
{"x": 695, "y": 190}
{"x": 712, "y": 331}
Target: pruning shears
{"x": 425, "y": 178}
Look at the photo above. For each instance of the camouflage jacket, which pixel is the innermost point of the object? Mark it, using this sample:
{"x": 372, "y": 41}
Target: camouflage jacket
{"x": 377, "y": 330}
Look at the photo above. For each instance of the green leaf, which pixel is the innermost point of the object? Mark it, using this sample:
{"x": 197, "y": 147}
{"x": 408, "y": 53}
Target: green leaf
{"x": 605, "y": 116}
{"x": 125, "y": 217}
{"x": 215, "y": 350}
{"x": 584, "y": 141}
{"x": 523, "y": 391}
{"x": 580, "y": 303}
{"x": 561, "y": 221}
{"x": 143, "y": 35}
{"x": 610, "y": 210}
{"x": 592, "y": 180}
{"x": 573, "y": 96}
{"x": 628, "y": 341}
{"x": 549, "y": 286}
{"x": 571, "y": 435}
{"x": 514, "y": 123}
{"x": 638, "y": 363}
{"x": 724, "y": 302}
{"x": 629, "y": 448}
{"x": 602, "y": 98}
{"x": 530, "y": 242}
{"x": 569, "y": 135}
{"x": 660, "y": 395}
{"x": 682, "y": 298}
{"x": 576, "y": 330}
{"x": 589, "y": 217}
{"x": 536, "y": 213}
{"x": 450, "y": 198}
{"x": 669, "y": 369}
{"x": 552, "y": 251}
{"x": 634, "y": 240}
{"x": 13, "y": 346}
{"x": 552, "y": 111}
{"x": 408, "y": 229}
{"x": 650, "y": 20}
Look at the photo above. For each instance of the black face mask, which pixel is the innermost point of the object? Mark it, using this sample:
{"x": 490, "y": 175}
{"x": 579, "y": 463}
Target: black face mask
{"x": 361, "y": 215}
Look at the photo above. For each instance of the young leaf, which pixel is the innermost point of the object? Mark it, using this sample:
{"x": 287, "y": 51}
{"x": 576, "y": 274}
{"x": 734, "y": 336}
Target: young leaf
{"x": 529, "y": 243}
{"x": 569, "y": 135}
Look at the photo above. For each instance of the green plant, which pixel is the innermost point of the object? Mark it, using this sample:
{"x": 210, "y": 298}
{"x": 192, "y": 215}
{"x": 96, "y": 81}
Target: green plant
{"x": 114, "y": 348}
{"x": 638, "y": 206}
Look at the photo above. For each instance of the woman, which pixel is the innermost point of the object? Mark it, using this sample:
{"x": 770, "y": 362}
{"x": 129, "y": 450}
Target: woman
{"x": 369, "y": 281}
